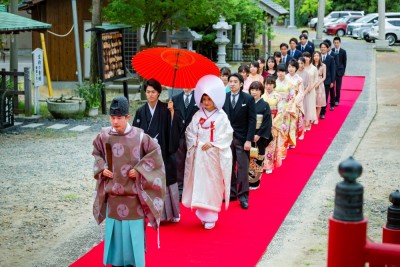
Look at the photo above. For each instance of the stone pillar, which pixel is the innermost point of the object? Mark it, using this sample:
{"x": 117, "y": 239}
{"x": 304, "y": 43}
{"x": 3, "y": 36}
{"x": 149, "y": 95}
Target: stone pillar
{"x": 238, "y": 46}
{"x": 291, "y": 13}
{"x": 320, "y": 23}
{"x": 381, "y": 43}
{"x": 222, "y": 40}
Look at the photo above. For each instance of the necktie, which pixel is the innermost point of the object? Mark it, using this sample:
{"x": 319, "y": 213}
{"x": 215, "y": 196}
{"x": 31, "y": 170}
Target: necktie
{"x": 302, "y": 49}
{"x": 186, "y": 100}
{"x": 234, "y": 100}
{"x": 337, "y": 51}
{"x": 323, "y": 58}
{"x": 284, "y": 59}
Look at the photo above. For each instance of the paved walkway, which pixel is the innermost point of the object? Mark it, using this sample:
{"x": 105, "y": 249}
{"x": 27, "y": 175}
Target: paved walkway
{"x": 55, "y": 126}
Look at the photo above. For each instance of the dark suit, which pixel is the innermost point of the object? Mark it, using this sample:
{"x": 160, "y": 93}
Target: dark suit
{"x": 309, "y": 47}
{"x": 243, "y": 122}
{"x": 288, "y": 58}
{"x": 185, "y": 115}
{"x": 296, "y": 55}
{"x": 341, "y": 61}
{"x": 330, "y": 78}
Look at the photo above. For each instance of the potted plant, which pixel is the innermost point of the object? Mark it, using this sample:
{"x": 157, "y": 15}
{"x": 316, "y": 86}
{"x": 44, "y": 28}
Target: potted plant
{"x": 91, "y": 92}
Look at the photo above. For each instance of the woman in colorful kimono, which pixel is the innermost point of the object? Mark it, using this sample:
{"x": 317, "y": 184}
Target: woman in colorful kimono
{"x": 285, "y": 111}
{"x": 130, "y": 186}
{"x": 295, "y": 108}
{"x": 162, "y": 123}
{"x": 272, "y": 98}
{"x": 208, "y": 165}
{"x": 262, "y": 136}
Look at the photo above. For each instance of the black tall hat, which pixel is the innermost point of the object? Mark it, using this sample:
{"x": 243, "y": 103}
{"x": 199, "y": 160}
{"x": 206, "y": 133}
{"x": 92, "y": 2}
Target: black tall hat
{"x": 119, "y": 106}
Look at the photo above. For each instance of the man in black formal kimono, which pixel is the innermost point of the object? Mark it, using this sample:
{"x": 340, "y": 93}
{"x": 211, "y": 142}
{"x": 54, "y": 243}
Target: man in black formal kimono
{"x": 186, "y": 106}
{"x": 162, "y": 123}
{"x": 341, "y": 61}
{"x": 240, "y": 108}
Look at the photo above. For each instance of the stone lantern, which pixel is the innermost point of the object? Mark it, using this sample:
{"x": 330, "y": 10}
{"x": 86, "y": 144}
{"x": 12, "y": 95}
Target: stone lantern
{"x": 222, "y": 40}
{"x": 184, "y": 39}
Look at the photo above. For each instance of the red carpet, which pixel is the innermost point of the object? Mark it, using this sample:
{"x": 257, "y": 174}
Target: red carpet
{"x": 241, "y": 236}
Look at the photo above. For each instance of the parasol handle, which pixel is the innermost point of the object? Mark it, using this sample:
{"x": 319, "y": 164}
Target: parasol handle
{"x": 175, "y": 69}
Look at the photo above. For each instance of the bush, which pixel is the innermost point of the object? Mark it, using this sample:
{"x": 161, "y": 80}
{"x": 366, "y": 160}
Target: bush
{"x": 91, "y": 92}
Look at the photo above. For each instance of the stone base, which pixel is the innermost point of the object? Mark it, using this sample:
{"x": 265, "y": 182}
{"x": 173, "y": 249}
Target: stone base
{"x": 220, "y": 65}
{"x": 382, "y": 45}
{"x": 317, "y": 42}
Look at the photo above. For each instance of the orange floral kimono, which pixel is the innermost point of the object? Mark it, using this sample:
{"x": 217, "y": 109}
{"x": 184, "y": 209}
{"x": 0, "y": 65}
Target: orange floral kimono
{"x": 295, "y": 110}
{"x": 271, "y": 151}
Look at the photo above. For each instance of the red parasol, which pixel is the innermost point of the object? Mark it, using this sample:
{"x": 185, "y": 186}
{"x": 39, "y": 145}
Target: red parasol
{"x": 173, "y": 67}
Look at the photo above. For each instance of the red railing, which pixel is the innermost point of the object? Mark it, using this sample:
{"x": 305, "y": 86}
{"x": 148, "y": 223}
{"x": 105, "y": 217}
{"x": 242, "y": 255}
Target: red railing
{"x": 348, "y": 245}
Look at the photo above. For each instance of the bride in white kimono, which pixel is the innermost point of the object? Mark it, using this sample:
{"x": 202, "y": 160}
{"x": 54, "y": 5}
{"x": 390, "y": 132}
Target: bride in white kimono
{"x": 208, "y": 163}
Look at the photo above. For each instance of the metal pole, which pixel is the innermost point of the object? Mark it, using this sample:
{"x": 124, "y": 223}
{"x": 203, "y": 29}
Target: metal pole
{"x": 77, "y": 47}
{"x": 46, "y": 65}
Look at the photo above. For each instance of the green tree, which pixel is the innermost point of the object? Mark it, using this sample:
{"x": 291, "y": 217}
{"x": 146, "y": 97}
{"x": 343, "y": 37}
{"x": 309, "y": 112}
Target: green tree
{"x": 155, "y": 16}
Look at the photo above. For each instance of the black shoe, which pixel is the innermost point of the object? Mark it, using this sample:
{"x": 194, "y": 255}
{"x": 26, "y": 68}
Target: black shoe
{"x": 244, "y": 203}
{"x": 322, "y": 116}
{"x": 337, "y": 103}
{"x": 331, "y": 108}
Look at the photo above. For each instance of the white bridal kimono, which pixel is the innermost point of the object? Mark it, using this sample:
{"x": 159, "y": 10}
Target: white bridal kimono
{"x": 208, "y": 173}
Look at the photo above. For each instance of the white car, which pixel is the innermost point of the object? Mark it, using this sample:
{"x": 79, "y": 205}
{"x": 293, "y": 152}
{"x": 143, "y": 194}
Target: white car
{"x": 392, "y": 30}
{"x": 334, "y": 15}
{"x": 360, "y": 27}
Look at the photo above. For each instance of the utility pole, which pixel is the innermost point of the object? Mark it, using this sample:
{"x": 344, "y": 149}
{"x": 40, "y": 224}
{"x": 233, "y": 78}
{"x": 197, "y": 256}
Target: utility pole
{"x": 13, "y": 43}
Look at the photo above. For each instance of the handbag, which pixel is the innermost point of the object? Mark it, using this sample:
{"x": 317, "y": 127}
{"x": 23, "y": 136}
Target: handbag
{"x": 253, "y": 151}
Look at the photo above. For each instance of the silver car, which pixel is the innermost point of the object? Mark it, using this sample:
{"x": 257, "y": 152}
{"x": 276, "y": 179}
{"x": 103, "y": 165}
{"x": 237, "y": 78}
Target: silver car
{"x": 358, "y": 28}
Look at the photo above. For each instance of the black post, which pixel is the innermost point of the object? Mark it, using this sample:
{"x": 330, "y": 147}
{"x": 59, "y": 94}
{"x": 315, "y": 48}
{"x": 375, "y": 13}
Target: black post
{"x": 103, "y": 100}
{"x": 125, "y": 85}
{"x": 349, "y": 193}
{"x": 15, "y": 83}
{"x": 27, "y": 92}
{"x": 393, "y": 215}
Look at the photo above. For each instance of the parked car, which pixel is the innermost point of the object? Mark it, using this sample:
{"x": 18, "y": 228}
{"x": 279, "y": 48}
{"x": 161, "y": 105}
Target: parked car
{"x": 392, "y": 30}
{"x": 338, "y": 27}
{"x": 334, "y": 15}
{"x": 360, "y": 27}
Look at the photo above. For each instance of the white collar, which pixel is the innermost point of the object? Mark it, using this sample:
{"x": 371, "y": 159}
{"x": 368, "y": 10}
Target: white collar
{"x": 127, "y": 129}
{"x": 152, "y": 109}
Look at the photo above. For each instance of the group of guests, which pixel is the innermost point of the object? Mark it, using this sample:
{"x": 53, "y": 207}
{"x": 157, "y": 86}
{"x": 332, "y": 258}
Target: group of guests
{"x": 207, "y": 145}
